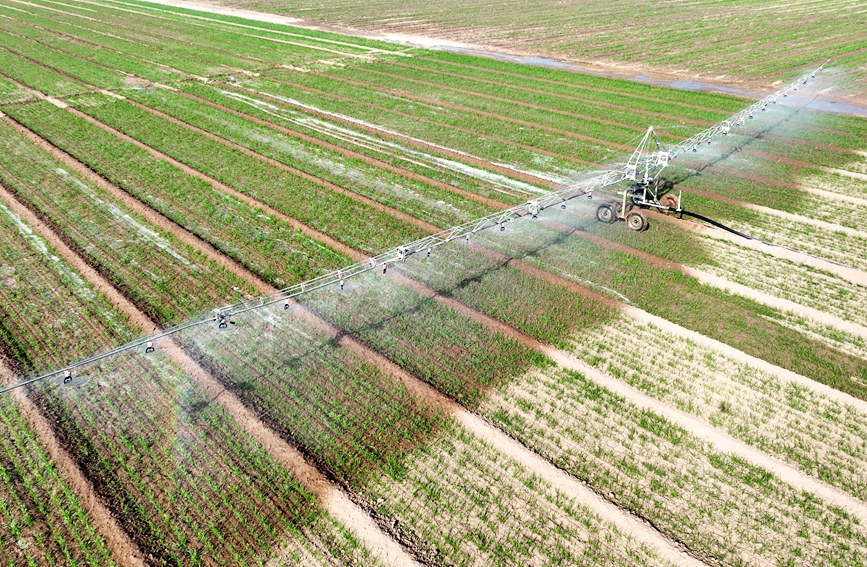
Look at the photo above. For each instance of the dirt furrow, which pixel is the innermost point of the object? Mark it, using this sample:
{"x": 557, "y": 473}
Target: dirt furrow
{"x": 357, "y": 521}
{"x": 123, "y": 550}
{"x": 424, "y": 225}
{"x": 301, "y": 227}
{"x": 493, "y": 203}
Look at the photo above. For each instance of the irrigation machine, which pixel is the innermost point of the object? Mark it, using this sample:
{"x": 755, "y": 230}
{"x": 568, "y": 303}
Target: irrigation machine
{"x": 642, "y": 173}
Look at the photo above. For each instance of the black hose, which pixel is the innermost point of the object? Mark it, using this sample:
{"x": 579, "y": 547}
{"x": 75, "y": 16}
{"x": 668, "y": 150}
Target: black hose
{"x": 722, "y": 226}
{"x": 748, "y": 237}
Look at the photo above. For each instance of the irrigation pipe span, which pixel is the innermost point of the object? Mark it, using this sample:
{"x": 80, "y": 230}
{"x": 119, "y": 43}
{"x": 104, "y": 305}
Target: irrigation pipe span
{"x": 641, "y": 164}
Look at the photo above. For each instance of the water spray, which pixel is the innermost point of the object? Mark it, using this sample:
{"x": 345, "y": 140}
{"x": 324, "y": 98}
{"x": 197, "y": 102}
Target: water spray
{"x": 643, "y": 170}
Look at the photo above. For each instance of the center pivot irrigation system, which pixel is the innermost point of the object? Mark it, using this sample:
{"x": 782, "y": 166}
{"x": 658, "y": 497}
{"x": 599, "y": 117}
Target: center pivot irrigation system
{"x": 643, "y": 171}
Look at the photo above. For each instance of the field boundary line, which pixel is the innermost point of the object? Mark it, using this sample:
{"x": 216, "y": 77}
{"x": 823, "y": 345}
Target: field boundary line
{"x": 123, "y": 549}
{"x": 389, "y": 550}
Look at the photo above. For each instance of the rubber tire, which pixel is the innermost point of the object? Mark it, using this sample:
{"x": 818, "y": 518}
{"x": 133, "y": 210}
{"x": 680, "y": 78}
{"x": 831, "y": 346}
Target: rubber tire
{"x": 605, "y": 213}
{"x": 669, "y": 201}
{"x": 636, "y": 221}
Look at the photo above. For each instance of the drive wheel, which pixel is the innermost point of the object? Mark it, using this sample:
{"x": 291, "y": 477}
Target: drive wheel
{"x": 606, "y": 214}
{"x": 670, "y": 201}
{"x": 636, "y": 221}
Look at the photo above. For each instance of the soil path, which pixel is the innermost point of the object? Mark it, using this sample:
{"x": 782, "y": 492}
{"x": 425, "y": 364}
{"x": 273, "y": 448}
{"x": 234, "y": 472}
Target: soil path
{"x": 334, "y": 500}
{"x": 123, "y": 550}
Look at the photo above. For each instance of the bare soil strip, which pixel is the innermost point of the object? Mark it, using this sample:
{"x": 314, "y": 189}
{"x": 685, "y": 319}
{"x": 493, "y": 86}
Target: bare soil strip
{"x": 847, "y": 273}
{"x": 336, "y": 502}
{"x": 321, "y": 182}
{"x": 307, "y": 230}
{"x": 123, "y": 550}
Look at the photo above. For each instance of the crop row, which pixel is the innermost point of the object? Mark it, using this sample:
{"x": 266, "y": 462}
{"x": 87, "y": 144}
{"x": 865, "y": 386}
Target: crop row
{"x": 43, "y": 522}
{"x": 271, "y": 249}
{"x": 719, "y": 506}
{"x": 183, "y": 479}
{"x": 468, "y": 503}
{"x": 434, "y": 164}
{"x": 268, "y": 46}
{"x": 416, "y": 198}
{"x": 145, "y": 263}
{"x": 799, "y": 424}
{"x": 305, "y": 200}
{"x": 349, "y": 416}
{"x": 190, "y": 58}
{"x": 36, "y": 77}
{"x": 668, "y": 293}
{"x": 773, "y": 503}
{"x": 807, "y": 285}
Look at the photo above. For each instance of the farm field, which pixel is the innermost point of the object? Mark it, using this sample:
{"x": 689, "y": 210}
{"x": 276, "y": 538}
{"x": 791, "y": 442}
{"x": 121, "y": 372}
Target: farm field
{"x": 558, "y": 392}
{"x": 704, "y": 41}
